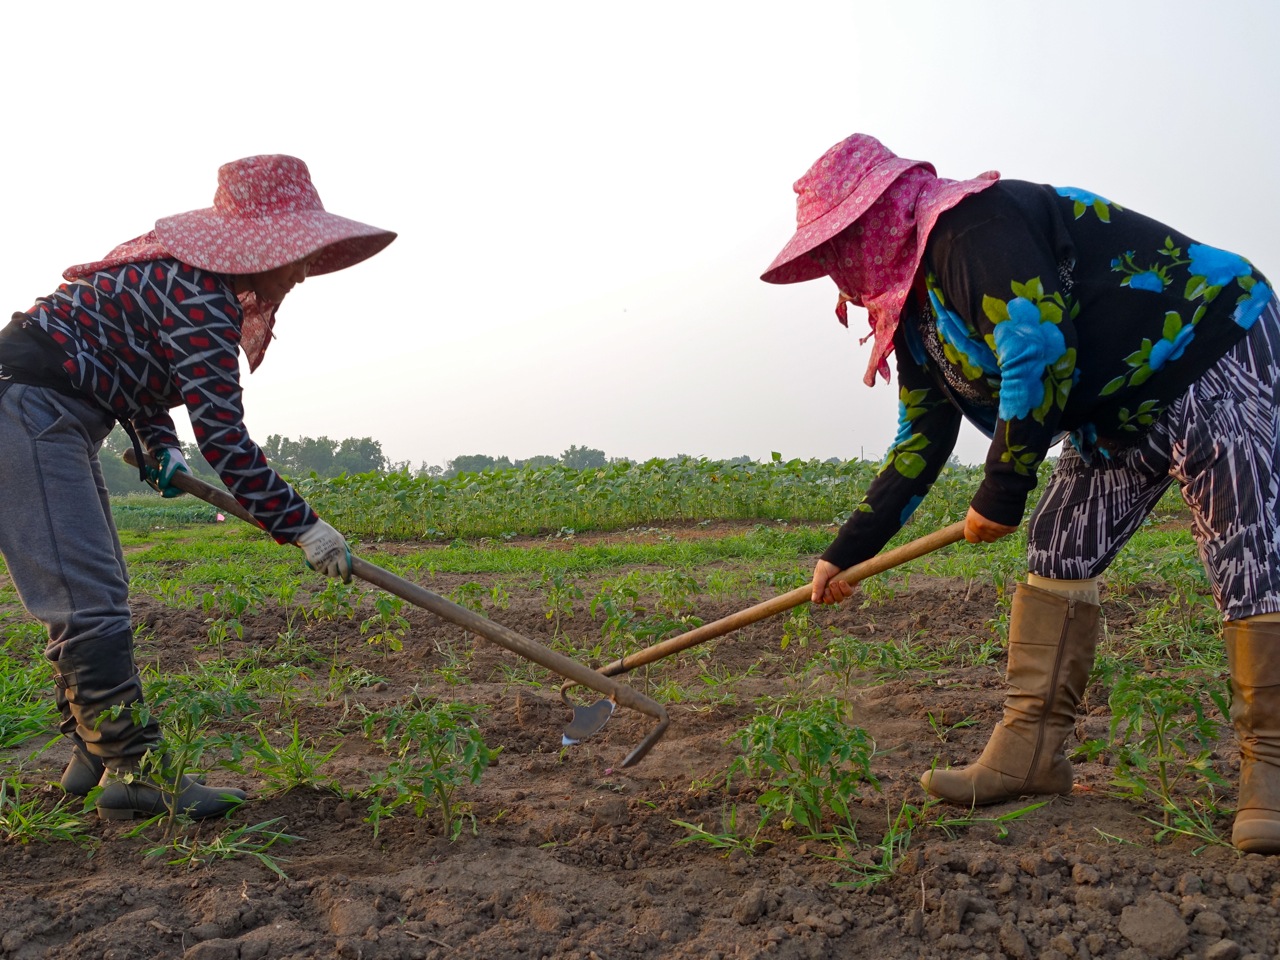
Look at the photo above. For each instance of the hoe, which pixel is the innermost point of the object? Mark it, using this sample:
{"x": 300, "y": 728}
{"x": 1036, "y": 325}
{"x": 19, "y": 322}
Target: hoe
{"x": 504, "y": 637}
{"x": 591, "y": 719}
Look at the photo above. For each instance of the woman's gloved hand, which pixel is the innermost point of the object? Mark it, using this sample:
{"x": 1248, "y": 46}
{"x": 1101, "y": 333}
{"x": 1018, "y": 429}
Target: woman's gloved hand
{"x": 160, "y": 476}
{"x": 326, "y": 550}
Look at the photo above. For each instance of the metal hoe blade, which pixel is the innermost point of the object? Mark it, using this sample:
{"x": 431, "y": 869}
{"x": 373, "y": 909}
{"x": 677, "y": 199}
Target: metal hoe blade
{"x": 586, "y": 721}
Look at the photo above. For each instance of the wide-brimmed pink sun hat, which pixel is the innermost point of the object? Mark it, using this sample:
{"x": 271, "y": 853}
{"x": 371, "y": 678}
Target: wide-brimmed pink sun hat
{"x": 839, "y": 188}
{"x": 888, "y": 205}
{"x": 266, "y": 213}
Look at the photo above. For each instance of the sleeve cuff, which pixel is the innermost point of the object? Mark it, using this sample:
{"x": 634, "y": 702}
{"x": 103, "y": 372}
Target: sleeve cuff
{"x": 1000, "y": 505}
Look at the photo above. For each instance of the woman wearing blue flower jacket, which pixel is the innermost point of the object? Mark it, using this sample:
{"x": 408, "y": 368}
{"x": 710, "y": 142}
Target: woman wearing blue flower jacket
{"x": 1038, "y": 312}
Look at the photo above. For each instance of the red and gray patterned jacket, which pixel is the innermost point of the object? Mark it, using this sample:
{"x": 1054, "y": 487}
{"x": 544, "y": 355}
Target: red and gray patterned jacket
{"x": 142, "y": 338}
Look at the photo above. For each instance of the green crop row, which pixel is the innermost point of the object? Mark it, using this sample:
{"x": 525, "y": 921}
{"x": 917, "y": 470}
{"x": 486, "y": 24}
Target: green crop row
{"x": 530, "y": 502}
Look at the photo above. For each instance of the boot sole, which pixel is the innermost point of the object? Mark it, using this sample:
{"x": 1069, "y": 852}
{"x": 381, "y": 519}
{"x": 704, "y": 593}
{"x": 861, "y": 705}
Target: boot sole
{"x": 113, "y": 813}
{"x": 133, "y": 813}
{"x": 1257, "y": 836}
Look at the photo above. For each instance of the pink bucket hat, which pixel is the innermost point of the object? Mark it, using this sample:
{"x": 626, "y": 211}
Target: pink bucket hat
{"x": 895, "y": 202}
{"x": 266, "y": 213}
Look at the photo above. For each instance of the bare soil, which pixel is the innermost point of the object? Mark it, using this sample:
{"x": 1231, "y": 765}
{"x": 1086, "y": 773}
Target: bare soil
{"x": 575, "y": 858}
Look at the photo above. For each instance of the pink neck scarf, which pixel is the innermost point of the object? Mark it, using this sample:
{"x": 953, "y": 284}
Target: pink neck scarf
{"x": 874, "y": 260}
{"x": 259, "y": 315}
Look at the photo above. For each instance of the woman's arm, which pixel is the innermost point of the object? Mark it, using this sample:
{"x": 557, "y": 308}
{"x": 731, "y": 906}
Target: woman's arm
{"x": 928, "y": 424}
{"x": 995, "y": 278}
{"x": 203, "y": 341}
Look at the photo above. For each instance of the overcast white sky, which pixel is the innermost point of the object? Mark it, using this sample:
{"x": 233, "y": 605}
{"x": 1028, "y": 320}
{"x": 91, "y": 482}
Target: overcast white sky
{"x": 586, "y": 193}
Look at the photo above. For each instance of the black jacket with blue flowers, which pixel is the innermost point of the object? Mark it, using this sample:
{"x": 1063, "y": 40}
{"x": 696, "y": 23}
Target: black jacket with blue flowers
{"x": 1039, "y": 311}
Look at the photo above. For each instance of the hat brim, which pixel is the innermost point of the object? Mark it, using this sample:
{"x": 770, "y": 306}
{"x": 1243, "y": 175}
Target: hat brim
{"x": 793, "y": 265}
{"x": 237, "y": 246}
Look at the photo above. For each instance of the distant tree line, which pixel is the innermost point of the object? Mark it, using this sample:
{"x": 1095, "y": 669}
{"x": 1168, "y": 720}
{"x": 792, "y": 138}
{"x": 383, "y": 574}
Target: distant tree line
{"x": 575, "y": 458}
{"x": 293, "y": 458}
{"x": 331, "y": 458}
{"x": 324, "y": 457}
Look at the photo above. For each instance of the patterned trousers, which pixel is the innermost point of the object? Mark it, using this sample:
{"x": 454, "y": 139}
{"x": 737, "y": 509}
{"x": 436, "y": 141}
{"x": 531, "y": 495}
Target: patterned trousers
{"x": 1221, "y": 442}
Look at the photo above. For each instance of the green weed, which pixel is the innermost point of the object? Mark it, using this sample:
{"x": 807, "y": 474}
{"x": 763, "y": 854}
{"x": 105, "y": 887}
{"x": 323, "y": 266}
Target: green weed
{"x": 734, "y": 832}
{"x": 872, "y": 864}
{"x": 251, "y": 841}
{"x": 26, "y": 817}
{"x": 26, "y": 709}
{"x": 293, "y": 763}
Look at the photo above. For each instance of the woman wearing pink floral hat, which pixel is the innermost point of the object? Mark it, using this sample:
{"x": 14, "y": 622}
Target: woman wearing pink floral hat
{"x": 1036, "y": 312}
{"x": 159, "y": 323}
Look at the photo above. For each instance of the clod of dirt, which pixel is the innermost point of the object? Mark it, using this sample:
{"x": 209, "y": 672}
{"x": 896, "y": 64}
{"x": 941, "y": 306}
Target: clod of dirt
{"x": 548, "y": 917}
{"x": 611, "y": 813}
{"x": 1223, "y": 950}
{"x": 351, "y": 918}
{"x": 1239, "y": 885}
{"x": 1152, "y": 924}
{"x": 1210, "y": 924}
{"x": 214, "y": 950}
{"x": 750, "y": 906}
{"x": 1014, "y": 943}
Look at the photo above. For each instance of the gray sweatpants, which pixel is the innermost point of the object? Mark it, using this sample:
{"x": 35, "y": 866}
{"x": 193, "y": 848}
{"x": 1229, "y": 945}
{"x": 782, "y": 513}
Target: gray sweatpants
{"x": 56, "y": 531}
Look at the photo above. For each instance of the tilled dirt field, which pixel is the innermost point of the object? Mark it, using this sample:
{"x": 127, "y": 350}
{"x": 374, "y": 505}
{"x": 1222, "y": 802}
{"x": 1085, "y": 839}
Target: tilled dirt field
{"x": 575, "y": 858}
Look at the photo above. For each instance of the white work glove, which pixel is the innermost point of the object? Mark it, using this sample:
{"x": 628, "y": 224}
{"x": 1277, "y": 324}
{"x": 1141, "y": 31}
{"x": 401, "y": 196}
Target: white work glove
{"x": 160, "y": 477}
{"x": 326, "y": 550}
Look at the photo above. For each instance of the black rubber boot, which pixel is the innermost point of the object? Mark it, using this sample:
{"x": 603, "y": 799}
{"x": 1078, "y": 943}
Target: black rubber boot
{"x": 102, "y": 688}
{"x": 83, "y": 770}
{"x": 96, "y": 678}
{"x": 149, "y": 789}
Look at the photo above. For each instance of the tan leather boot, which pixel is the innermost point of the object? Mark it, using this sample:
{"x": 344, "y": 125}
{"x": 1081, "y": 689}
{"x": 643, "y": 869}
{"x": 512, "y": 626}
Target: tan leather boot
{"x": 1253, "y": 652}
{"x": 1052, "y": 641}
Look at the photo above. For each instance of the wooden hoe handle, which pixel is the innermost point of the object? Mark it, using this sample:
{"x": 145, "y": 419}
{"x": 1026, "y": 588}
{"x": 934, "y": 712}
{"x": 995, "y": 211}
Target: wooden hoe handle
{"x": 735, "y": 621}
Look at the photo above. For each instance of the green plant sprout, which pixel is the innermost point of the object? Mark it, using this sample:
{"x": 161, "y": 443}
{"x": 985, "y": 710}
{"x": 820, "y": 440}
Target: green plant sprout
{"x": 800, "y": 628}
{"x": 812, "y": 762}
{"x": 1161, "y": 742}
{"x": 387, "y": 627}
{"x": 435, "y": 750}
{"x": 560, "y": 592}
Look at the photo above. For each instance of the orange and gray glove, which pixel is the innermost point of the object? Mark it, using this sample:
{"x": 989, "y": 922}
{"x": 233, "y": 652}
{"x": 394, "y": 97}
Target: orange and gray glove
{"x": 326, "y": 550}
{"x": 160, "y": 477}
